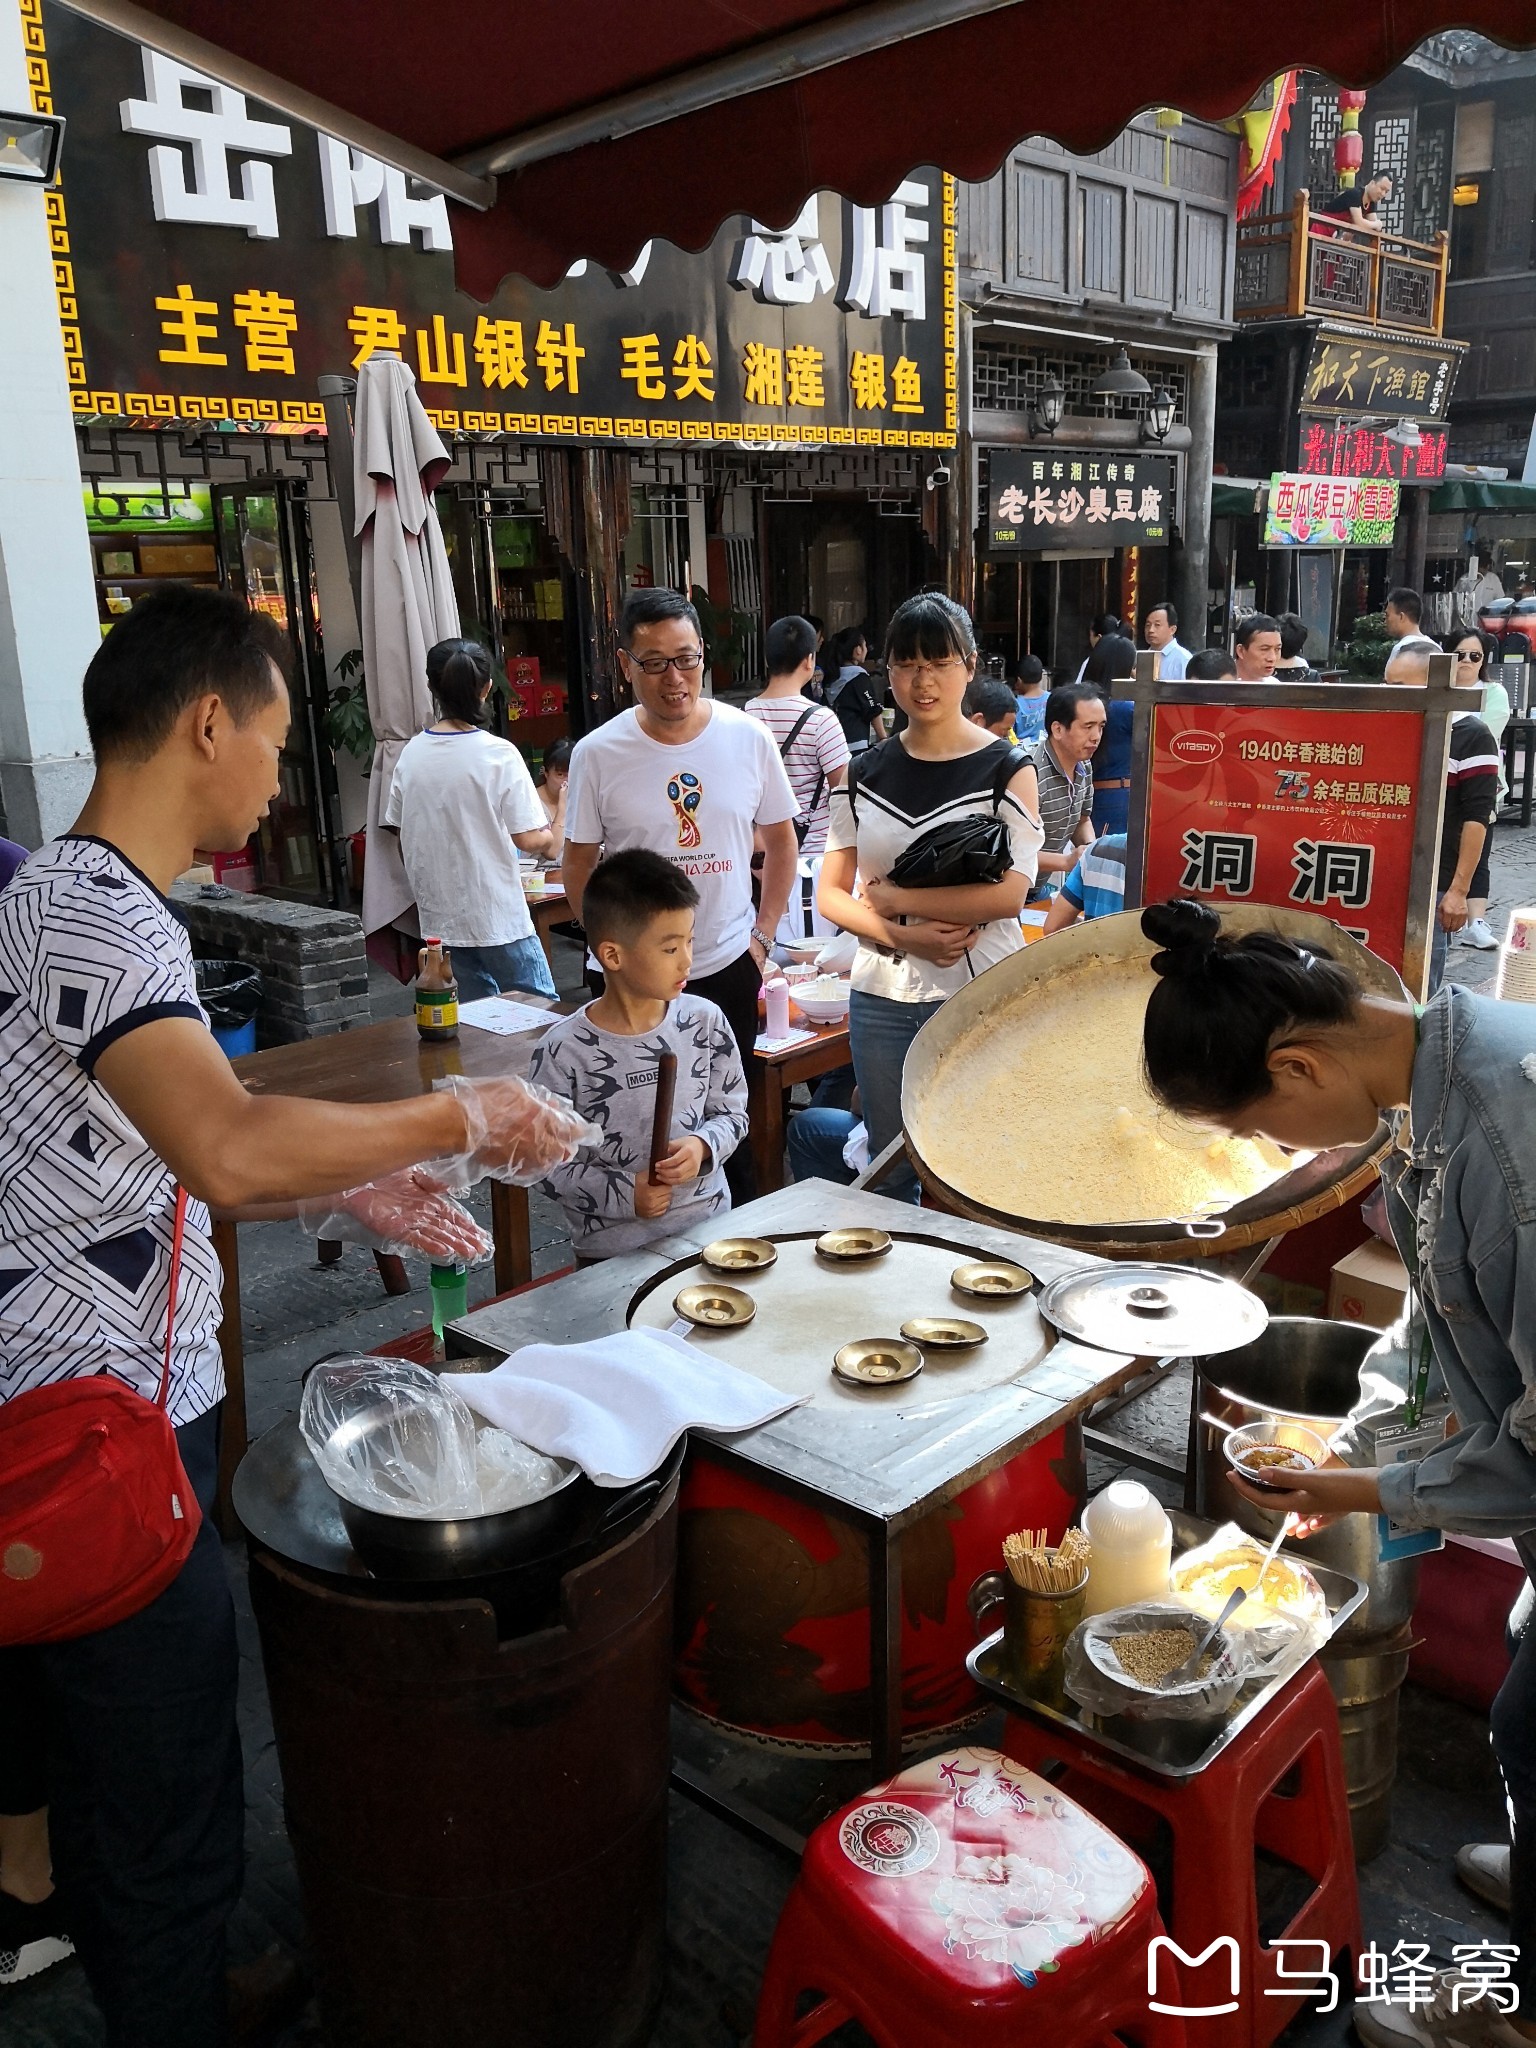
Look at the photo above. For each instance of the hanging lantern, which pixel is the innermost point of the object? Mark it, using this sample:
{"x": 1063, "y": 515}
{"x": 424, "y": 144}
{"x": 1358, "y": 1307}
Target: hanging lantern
{"x": 1349, "y": 149}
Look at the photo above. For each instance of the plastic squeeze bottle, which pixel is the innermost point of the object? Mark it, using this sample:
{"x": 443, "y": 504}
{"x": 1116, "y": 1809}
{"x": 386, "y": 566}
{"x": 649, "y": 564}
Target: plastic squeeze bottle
{"x": 1132, "y": 1542}
{"x": 437, "y": 993}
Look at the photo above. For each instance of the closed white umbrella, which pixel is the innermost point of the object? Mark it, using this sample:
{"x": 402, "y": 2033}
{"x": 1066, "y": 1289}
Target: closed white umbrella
{"x": 408, "y": 601}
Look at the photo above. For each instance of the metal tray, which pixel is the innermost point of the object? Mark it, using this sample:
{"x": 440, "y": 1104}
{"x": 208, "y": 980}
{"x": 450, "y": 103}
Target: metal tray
{"x": 1169, "y": 1749}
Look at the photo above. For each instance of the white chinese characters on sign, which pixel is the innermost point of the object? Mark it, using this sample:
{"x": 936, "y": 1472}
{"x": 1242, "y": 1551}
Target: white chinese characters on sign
{"x": 349, "y": 179}
{"x": 214, "y": 133}
{"x": 788, "y": 268}
{"x": 886, "y": 275}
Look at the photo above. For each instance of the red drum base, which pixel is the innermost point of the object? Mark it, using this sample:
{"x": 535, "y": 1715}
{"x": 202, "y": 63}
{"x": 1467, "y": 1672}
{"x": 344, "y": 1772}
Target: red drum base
{"x": 773, "y": 1599}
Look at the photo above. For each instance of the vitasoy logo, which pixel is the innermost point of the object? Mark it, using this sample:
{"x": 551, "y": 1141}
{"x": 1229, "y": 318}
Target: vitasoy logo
{"x": 1196, "y": 748}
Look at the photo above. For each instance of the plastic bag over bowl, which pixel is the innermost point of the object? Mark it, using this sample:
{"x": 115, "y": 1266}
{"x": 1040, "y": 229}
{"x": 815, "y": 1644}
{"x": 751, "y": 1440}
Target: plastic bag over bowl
{"x": 395, "y": 1438}
{"x": 1097, "y": 1680}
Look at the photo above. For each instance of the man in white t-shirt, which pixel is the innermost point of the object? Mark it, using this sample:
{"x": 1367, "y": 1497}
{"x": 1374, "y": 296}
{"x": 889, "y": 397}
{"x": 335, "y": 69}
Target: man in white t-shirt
{"x": 697, "y": 782}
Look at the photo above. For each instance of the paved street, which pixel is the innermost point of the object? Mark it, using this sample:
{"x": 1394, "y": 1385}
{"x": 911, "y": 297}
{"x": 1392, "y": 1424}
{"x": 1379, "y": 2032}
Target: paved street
{"x": 725, "y": 1894}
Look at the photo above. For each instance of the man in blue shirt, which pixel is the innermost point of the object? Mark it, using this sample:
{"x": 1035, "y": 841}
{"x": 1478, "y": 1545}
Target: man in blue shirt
{"x": 1160, "y": 629}
{"x": 1095, "y": 887}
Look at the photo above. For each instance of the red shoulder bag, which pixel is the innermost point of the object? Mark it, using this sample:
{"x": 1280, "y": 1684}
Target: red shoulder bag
{"x": 96, "y": 1512}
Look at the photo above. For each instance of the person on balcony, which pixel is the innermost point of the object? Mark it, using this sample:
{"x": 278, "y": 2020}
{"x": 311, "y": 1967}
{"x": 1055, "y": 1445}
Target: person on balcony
{"x": 1358, "y": 205}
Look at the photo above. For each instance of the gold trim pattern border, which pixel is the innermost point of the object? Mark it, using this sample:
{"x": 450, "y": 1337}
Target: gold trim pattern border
{"x": 40, "y": 85}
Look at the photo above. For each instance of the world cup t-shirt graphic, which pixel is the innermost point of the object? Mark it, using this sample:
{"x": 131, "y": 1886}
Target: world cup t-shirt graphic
{"x": 630, "y": 790}
{"x": 685, "y": 792}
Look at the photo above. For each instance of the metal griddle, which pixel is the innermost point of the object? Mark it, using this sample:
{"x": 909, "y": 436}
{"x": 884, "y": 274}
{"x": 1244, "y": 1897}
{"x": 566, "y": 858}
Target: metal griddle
{"x": 807, "y": 1306}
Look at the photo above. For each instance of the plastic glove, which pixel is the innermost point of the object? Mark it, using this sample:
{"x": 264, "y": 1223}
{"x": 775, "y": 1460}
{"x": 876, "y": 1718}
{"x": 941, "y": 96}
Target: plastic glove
{"x": 403, "y": 1212}
{"x": 517, "y": 1131}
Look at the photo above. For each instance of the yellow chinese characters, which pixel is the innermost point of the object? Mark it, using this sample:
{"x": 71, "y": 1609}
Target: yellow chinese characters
{"x": 190, "y": 321}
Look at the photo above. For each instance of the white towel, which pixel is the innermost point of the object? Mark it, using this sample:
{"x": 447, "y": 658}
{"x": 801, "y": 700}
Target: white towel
{"x": 618, "y": 1405}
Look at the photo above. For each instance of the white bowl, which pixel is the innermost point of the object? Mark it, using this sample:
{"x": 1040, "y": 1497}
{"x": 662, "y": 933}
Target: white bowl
{"x": 798, "y": 951}
{"x": 824, "y": 1001}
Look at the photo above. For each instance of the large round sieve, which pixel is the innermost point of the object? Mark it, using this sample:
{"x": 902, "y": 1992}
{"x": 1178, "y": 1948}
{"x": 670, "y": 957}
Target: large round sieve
{"x": 1032, "y": 1015}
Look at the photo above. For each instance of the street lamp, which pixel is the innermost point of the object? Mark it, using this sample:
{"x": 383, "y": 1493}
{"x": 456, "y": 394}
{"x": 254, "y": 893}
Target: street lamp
{"x": 1161, "y": 407}
{"x": 1046, "y": 413}
{"x": 29, "y": 147}
{"x": 1405, "y": 435}
{"x": 1120, "y": 380}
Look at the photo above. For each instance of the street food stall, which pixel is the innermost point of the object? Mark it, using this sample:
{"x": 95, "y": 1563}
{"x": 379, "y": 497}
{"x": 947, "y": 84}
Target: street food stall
{"x": 833, "y": 1565}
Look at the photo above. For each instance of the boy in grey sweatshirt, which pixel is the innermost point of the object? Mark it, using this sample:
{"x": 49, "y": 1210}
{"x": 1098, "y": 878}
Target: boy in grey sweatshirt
{"x": 638, "y": 912}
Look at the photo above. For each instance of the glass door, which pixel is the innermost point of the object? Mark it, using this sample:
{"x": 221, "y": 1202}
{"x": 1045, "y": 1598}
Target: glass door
{"x": 262, "y": 533}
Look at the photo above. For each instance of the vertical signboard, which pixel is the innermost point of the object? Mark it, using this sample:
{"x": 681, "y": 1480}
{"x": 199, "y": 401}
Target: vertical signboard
{"x": 1317, "y": 797}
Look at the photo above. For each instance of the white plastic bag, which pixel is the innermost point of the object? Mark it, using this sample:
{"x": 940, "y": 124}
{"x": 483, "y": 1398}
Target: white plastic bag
{"x": 1202, "y": 1579}
{"x": 1097, "y": 1680}
{"x": 396, "y": 1438}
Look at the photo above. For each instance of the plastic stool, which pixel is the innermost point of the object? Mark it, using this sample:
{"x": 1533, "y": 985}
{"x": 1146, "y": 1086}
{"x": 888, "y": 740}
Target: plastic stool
{"x": 966, "y": 1900}
{"x": 1218, "y": 1819}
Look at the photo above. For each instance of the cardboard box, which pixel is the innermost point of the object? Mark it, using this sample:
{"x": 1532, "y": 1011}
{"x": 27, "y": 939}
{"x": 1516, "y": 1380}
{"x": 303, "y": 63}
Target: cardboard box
{"x": 1369, "y": 1286}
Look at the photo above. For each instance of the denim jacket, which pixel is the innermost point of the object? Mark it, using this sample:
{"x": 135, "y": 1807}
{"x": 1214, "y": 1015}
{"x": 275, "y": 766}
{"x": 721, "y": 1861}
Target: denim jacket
{"x": 1462, "y": 1204}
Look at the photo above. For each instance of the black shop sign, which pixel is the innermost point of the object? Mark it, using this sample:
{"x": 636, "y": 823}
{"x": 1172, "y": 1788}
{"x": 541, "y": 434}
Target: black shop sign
{"x": 215, "y": 257}
{"x": 1351, "y": 373}
{"x": 1064, "y": 500}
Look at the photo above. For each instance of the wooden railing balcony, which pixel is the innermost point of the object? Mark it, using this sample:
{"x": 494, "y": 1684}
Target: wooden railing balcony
{"x": 1299, "y": 264}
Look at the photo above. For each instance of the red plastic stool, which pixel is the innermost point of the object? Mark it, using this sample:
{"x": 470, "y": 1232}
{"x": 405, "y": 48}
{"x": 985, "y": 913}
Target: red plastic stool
{"x": 1279, "y": 1787}
{"x": 966, "y": 1900}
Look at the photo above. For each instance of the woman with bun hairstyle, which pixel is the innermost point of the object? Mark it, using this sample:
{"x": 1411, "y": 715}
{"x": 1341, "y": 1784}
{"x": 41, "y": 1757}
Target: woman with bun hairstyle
{"x": 1261, "y": 1036}
{"x": 463, "y": 803}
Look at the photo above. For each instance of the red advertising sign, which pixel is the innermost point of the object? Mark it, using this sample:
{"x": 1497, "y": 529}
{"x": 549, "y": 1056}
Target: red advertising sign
{"x": 1335, "y": 448}
{"x": 1308, "y": 808}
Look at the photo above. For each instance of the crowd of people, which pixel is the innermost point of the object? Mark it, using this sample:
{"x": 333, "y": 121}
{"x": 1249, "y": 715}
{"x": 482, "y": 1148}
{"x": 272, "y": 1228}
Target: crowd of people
{"x": 684, "y": 829}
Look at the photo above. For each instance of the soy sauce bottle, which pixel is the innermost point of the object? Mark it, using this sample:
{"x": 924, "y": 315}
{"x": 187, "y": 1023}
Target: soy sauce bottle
{"x": 437, "y": 993}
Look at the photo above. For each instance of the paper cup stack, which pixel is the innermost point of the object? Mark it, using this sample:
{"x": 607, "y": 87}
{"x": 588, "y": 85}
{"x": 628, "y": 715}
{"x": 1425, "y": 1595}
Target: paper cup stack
{"x": 1517, "y": 959}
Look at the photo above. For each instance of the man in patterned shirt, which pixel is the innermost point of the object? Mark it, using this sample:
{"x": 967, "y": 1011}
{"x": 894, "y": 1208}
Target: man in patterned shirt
{"x": 112, "y": 1091}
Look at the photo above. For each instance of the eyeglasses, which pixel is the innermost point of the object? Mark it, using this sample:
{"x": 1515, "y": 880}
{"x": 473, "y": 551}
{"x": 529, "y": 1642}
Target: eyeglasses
{"x": 658, "y": 664}
{"x": 1469, "y": 654}
{"x": 909, "y": 671}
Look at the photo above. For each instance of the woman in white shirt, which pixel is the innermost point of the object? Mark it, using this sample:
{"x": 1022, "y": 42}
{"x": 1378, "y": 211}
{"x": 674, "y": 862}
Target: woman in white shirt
{"x": 463, "y": 803}
{"x": 917, "y": 946}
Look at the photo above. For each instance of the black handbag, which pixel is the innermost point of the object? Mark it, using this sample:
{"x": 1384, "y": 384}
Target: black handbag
{"x": 965, "y": 850}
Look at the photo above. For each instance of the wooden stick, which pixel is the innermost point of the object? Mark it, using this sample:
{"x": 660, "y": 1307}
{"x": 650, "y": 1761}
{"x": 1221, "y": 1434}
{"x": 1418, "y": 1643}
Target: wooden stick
{"x": 661, "y": 1123}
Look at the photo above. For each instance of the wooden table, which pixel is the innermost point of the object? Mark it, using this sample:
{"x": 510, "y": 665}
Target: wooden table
{"x": 547, "y": 908}
{"x": 770, "y": 1076}
{"x": 385, "y": 1062}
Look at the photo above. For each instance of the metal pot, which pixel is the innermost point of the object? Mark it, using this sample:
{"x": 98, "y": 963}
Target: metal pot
{"x": 405, "y": 1547}
{"x": 1303, "y": 1369}
{"x": 1002, "y": 999}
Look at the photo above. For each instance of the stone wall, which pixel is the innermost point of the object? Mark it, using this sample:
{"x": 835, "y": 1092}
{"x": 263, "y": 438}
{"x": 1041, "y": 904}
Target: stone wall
{"x": 314, "y": 971}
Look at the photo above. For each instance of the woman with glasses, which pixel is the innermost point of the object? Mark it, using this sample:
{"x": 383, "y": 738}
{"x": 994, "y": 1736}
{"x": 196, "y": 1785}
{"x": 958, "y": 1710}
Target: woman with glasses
{"x": 1476, "y": 652}
{"x": 917, "y": 946}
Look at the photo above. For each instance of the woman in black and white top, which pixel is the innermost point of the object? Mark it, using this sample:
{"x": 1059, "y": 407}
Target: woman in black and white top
{"x": 917, "y": 946}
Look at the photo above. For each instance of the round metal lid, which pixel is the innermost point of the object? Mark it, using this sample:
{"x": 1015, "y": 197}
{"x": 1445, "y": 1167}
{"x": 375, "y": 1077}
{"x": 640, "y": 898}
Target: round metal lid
{"x": 1155, "y": 1311}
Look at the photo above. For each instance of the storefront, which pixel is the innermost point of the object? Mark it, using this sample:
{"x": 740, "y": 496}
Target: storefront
{"x": 755, "y": 423}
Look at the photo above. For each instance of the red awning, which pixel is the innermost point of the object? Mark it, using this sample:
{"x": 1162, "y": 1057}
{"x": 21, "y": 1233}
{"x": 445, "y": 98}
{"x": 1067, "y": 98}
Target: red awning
{"x": 480, "y": 79}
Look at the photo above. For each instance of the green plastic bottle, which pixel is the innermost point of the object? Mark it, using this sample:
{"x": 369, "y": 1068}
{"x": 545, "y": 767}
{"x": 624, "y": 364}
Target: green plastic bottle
{"x": 450, "y": 1296}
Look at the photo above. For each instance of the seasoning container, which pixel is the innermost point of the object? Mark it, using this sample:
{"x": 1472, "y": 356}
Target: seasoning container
{"x": 1132, "y": 1542}
{"x": 437, "y": 993}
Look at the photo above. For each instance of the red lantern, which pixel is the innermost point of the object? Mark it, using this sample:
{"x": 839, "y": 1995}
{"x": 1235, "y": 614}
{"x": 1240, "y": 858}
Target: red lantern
{"x": 1351, "y": 102}
{"x": 1348, "y": 153}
